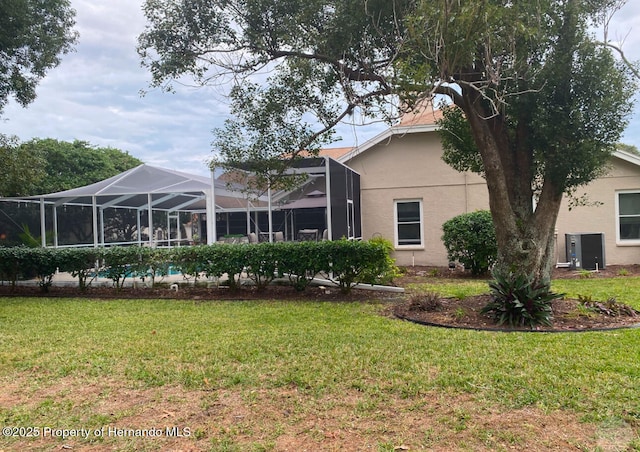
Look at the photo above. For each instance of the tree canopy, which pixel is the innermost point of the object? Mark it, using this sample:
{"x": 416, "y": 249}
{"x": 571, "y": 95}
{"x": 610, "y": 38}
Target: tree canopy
{"x": 540, "y": 101}
{"x": 42, "y": 166}
{"x": 33, "y": 36}
{"x": 21, "y": 169}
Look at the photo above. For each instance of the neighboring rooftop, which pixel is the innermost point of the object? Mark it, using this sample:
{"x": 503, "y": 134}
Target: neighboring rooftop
{"x": 421, "y": 117}
{"x": 335, "y": 153}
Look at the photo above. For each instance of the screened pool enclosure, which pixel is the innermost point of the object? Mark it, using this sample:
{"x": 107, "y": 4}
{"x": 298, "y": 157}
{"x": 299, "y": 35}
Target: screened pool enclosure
{"x": 154, "y": 206}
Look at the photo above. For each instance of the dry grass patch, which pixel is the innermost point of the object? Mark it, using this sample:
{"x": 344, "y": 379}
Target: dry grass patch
{"x": 289, "y": 419}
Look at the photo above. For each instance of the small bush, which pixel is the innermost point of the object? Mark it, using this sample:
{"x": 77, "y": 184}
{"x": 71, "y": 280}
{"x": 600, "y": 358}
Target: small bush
{"x": 518, "y": 301}
{"x": 43, "y": 262}
{"x": 189, "y": 261}
{"x": 610, "y": 308}
{"x": 470, "y": 239}
{"x": 425, "y": 302}
{"x": 226, "y": 259}
{"x": 120, "y": 263}
{"x": 301, "y": 262}
{"x": 384, "y": 270}
{"x": 354, "y": 262}
{"x": 584, "y": 274}
{"x": 82, "y": 263}
{"x": 14, "y": 263}
{"x": 261, "y": 262}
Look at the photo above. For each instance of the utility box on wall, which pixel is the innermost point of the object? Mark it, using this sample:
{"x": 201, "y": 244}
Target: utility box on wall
{"x": 585, "y": 250}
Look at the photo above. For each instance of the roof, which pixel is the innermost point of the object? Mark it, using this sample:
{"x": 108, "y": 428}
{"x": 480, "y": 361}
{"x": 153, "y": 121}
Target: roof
{"x": 335, "y": 153}
{"x": 169, "y": 189}
{"x": 627, "y": 157}
{"x": 421, "y": 117}
{"x": 308, "y": 202}
{"x": 420, "y": 121}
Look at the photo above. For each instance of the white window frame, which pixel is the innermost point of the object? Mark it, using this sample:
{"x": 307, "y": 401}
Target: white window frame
{"x": 395, "y": 225}
{"x": 620, "y": 241}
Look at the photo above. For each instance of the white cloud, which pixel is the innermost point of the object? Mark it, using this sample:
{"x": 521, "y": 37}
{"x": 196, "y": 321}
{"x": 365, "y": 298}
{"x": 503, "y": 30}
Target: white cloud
{"x": 94, "y": 95}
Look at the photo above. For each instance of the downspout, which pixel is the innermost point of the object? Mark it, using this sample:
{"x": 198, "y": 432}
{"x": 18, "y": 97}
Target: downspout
{"x": 466, "y": 193}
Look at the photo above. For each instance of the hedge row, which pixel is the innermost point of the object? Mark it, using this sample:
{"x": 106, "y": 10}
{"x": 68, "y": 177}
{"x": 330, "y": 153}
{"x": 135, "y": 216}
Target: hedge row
{"x": 345, "y": 262}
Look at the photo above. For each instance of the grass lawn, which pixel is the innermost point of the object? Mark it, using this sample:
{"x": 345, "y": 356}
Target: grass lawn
{"x": 272, "y": 375}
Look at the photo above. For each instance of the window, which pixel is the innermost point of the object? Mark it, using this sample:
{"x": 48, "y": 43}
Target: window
{"x": 628, "y": 218}
{"x": 408, "y": 220}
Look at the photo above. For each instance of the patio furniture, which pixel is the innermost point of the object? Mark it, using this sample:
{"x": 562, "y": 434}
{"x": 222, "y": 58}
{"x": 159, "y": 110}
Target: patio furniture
{"x": 307, "y": 235}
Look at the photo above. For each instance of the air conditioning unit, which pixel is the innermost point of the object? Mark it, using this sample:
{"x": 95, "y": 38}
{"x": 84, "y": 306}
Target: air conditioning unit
{"x": 585, "y": 250}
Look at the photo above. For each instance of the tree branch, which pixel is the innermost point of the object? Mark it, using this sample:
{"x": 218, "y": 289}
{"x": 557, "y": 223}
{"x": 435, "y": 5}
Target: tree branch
{"x": 629, "y": 64}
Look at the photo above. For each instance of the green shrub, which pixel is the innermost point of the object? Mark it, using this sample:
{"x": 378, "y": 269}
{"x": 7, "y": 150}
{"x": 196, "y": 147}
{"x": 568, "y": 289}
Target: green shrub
{"x": 82, "y": 263}
{"x": 121, "y": 262}
{"x": 261, "y": 262}
{"x": 223, "y": 258}
{"x": 470, "y": 239}
{"x": 301, "y": 262}
{"x": 43, "y": 262}
{"x": 153, "y": 263}
{"x": 517, "y": 301}
{"x": 13, "y": 263}
{"x": 190, "y": 260}
{"x": 353, "y": 262}
{"x": 383, "y": 270}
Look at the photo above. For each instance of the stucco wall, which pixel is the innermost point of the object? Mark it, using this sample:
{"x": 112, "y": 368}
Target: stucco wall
{"x": 600, "y": 213}
{"x": 410, "y": 167}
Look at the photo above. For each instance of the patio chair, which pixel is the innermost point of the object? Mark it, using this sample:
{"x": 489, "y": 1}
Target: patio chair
{"x": 307, "y": 235}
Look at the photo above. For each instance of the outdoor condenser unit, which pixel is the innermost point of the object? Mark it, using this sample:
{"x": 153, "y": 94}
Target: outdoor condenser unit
{"x": 585, "y": 250}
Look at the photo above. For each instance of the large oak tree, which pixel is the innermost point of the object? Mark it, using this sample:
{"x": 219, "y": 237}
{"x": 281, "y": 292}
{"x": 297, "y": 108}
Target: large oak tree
{"x": 540, "y": 102}
{"x": 33, "y": 36}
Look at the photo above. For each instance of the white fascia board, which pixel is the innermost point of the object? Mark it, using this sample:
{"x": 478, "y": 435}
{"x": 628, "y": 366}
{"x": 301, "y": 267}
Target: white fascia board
{"x": 631, "y": 158}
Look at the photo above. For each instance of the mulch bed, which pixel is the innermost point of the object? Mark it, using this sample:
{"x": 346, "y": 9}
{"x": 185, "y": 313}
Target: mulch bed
{"x": 452, "y": 312}
{"x": 199, "y": 293}
{"x": 455, "y": 313}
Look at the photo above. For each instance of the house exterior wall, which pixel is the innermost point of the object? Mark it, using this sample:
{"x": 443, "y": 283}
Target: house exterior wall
{"x": 599, "y": 215}
{"x": 410, "y": 167}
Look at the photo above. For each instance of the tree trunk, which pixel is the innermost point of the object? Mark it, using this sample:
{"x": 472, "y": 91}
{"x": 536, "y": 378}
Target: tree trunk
{"x": 525, "y": 235}
{"x": 526, "y": 246}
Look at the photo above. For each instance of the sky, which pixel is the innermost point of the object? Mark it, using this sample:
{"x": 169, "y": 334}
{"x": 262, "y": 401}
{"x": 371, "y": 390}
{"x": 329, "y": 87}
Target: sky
{"x": 94, "y": 95}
